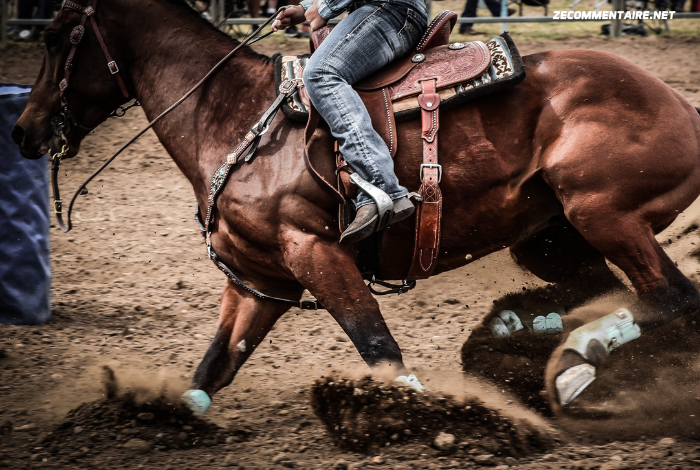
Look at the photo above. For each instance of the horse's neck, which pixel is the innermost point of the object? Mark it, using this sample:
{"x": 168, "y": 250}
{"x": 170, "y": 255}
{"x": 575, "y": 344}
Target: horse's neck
{"x": 172, "y": 58}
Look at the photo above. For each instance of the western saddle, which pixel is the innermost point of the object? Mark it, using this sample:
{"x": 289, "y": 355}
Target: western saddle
{"x": 418, "y": 78}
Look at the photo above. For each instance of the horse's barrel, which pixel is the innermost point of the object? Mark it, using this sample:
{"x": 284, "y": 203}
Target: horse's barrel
{"x": 25, "y": 265}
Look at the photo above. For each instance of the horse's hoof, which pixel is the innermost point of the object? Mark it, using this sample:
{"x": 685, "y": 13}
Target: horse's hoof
{"x": 505, "y": 324}
{"x": 511, "y": 320}
{"x": 412, "y": 381}
{"x": 498, "y": 328}
{"x": 549, "y": 325}
{"x": 197, "y": 400}
{"x": 573, "y": 381}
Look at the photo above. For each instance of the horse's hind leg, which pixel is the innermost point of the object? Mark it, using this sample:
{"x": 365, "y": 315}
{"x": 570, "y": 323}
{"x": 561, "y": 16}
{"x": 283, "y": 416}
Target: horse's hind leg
{"x": 560, "y": 254}
{"x": 664, "y": 294}
{"x": 244, "y": 320}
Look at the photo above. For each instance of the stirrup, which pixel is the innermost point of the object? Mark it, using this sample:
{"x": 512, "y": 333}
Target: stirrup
{"x": 385, "y": 206}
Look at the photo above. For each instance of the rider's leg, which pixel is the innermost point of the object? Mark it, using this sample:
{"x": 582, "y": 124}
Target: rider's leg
{"x": 469, "y": 12}
{"x": 367, "y": 40}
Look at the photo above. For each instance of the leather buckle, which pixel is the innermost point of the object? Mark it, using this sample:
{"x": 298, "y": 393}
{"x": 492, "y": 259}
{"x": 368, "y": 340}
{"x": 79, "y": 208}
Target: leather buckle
{"x": 308, "y": 305}
{"x": 431, "y": 165}
{"x": 113, "y": 68}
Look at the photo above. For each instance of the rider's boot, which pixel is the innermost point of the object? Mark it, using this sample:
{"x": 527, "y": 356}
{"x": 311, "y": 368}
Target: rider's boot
{"x": 366, "y": 220}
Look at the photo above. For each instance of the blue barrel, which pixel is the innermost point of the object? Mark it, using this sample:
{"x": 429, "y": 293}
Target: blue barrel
{"x": 25, "y": 264}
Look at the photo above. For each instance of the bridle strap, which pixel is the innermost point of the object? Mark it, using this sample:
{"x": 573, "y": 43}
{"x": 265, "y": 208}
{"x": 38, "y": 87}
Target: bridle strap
{"x": 111, "y": 64}
{"x": 89, "y": 12}
{"x": 68, "y": 67}
{"x": 54, "y": 167}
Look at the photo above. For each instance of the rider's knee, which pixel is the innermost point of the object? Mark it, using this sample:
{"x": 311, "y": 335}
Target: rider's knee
{"x": 313, "y": 77}
{"x": 319, "y": 75}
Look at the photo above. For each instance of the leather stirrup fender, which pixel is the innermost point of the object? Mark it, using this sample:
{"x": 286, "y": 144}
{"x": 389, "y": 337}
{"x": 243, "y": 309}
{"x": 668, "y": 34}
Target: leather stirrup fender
{"x": 327, "y": 187}
{"x": 429, "y": 211}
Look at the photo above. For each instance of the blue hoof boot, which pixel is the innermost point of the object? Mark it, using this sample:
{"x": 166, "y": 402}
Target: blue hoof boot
{"x": 197, "y": 400}
{"x": 549, "y": 325}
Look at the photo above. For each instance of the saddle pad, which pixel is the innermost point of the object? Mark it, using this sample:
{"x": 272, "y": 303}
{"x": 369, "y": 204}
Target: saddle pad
{"x": 505, "y": 70}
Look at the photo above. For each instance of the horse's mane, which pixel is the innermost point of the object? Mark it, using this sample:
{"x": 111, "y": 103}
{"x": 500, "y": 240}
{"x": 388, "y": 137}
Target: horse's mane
{"x": 214, "y": 32}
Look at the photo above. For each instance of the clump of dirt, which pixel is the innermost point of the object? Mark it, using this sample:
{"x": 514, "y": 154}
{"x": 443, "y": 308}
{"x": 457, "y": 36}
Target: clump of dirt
{"x": 362, "y": 415}
{"x": 133, "y": 420}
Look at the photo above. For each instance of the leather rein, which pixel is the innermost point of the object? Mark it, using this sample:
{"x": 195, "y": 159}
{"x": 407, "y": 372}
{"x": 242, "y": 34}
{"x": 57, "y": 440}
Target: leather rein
{"x": 64, "y": 124}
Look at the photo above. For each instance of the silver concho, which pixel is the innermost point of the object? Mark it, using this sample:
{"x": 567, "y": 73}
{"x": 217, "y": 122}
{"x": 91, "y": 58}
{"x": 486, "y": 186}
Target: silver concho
{"x": 418, "y": 58}
{"x": 89, "y": 11}
{"x": 287, "y": 86}
{"x": 77, "y": 35}
{"x": 456, "y": 46}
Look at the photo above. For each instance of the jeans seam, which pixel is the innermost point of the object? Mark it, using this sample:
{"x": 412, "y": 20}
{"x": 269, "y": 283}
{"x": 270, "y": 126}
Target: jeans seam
{"x": 369, "y": 162}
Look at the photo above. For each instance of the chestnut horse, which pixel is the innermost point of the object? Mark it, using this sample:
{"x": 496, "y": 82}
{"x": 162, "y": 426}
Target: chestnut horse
{"x": 590, "y": 147}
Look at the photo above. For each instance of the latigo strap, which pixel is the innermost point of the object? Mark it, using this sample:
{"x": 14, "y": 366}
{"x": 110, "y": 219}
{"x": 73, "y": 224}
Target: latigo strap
{"x": 429, "y": 211}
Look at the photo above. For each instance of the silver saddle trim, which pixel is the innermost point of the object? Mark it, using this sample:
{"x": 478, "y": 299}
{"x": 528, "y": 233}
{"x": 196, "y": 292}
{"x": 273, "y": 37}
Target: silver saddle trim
{"x": 385, "y": 206}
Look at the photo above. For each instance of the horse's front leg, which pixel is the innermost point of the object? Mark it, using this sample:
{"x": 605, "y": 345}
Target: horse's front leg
{"x": 328, "y": 271}
{"x": 243, "y": 323}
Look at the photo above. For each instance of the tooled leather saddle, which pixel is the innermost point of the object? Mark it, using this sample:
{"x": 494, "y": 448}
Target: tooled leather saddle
{"x": 437, "y": 74}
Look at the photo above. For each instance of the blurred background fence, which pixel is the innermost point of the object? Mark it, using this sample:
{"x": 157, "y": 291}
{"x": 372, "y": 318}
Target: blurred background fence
{"x": 218, "y": 9}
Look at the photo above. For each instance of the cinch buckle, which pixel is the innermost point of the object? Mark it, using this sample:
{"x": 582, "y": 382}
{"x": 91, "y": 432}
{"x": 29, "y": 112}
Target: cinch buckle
{"x": 58, "y": 206}
{"x": 431, "y": 165}
{"x": 113, "y": 67}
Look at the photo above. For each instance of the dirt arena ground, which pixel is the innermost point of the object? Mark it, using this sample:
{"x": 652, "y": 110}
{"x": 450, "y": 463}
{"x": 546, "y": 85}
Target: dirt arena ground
{"x": 133, "y": 290}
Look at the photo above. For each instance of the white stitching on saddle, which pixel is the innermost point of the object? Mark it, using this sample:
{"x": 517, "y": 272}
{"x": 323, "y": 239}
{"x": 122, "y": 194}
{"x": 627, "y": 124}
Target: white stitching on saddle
{"x": 388, "y": 120}
{"x": 432, "y": 27}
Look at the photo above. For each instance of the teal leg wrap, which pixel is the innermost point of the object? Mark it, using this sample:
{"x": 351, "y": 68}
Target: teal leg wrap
{"x": 611, "y": 331}
{"x": 197, "y": 400}
{"x": 549, "y": 325}
{"x": 505, "y": 324}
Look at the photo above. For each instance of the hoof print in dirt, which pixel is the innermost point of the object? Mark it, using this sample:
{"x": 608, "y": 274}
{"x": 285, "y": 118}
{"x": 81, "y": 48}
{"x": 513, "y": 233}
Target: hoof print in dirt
{"x": 364, "y": 415}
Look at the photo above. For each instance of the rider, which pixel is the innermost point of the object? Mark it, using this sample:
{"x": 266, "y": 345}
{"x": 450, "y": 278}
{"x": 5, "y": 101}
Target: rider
{"x": 374, "y": 33}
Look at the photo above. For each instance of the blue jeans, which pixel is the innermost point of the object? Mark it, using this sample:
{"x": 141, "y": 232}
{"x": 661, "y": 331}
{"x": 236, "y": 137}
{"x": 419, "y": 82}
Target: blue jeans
{"x": 375, "y": 33}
